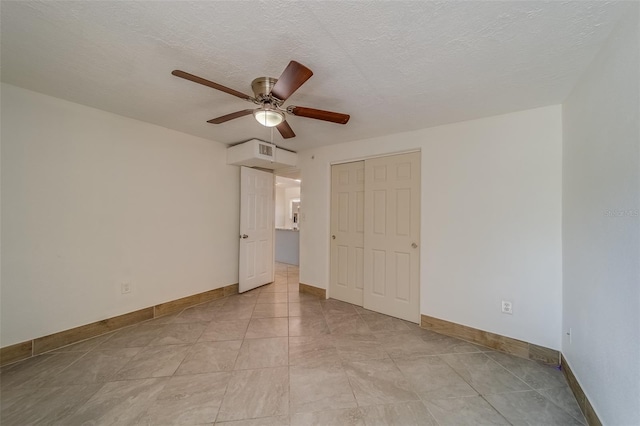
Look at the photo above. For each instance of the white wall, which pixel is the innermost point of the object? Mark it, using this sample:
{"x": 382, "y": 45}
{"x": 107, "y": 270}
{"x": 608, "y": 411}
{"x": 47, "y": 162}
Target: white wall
{"x": 281, "y": 211}
{"x": 290, "y": 194}
{"x": 601, "y": 228}
{"x": 91, "y": 199}
{"x": 286, "y": 190}
{"x": 491, "y": 219}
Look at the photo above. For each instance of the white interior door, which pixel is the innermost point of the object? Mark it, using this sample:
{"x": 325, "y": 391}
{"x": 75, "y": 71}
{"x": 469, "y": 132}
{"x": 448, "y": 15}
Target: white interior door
{"x": 257, "y": 208}
{"x": 391, "y": 235}
{"x": 347, "y": 232}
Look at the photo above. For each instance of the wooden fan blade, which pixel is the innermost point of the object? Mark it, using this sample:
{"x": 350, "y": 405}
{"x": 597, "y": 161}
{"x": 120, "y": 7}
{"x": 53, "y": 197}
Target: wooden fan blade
{"x": 231, "y": 116}
{"x": 291, "y": 79}
{"x": 285, "y": 130}
{"x": 318, "y": 114}
{"x": 211, "y": 84}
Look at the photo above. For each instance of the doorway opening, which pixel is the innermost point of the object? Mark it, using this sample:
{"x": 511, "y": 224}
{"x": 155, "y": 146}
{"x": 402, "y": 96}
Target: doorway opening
{"x": 288, "y": 211}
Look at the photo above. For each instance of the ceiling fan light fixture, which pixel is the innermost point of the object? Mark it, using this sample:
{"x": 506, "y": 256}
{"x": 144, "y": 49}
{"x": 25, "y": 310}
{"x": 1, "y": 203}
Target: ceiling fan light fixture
{"x": 268, "y": 117}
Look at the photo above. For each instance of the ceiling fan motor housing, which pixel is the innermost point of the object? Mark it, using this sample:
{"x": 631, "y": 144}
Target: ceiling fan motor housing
{"x": 262, "y": 86}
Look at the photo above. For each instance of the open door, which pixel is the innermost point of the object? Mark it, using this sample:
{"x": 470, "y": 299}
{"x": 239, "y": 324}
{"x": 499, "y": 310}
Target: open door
{"x": 256, "y": 228}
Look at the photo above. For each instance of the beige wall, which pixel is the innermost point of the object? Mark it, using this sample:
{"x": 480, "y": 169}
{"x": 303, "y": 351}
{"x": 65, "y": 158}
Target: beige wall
{"x": 91, "y": 200}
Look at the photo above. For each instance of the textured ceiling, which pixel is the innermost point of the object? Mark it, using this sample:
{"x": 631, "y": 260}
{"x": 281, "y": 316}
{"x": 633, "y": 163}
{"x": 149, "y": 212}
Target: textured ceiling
{"x": 394, "y": 66}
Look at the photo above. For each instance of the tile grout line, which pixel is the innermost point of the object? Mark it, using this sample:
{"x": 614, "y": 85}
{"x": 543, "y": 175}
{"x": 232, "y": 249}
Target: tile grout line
{"x": 84, "y": 403}
{"x": 503, "y": 393}
{"x": 531, "y": 387}
{"x": 288, "y": 357}
{"x": 222, "y": 399}
{"x": 552, "y": 401}
{"x": 510, "y": 372}
{"x": 422, "y": 401}
{"x": 479, "y": 394}
{"x": 495, "y": 408}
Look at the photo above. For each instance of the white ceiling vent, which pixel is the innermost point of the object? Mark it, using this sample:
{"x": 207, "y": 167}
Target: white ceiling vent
{"x": 256, "y": 153}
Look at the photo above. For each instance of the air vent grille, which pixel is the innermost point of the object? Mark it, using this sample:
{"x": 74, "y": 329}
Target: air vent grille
{"x": 266, "y": 150}
{"x": 256, "y": 153}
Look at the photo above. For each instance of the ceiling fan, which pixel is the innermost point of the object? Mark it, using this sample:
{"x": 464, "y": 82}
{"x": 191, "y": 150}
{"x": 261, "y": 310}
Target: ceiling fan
{"x": 270, "y": 95}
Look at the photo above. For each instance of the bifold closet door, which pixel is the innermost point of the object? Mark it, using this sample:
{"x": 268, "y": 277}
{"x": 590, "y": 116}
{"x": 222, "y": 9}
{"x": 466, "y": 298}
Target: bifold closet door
{"x": 347, "y": 232}
{"x": 392, "y": 235}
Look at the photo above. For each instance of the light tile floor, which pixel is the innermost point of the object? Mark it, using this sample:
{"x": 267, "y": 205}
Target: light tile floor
{"x": 274, "y": 356}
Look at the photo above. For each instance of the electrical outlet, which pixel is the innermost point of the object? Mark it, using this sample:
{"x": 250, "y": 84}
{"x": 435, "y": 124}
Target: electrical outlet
{"x": 507, "y": 307}
{"x": 126, "y": 287}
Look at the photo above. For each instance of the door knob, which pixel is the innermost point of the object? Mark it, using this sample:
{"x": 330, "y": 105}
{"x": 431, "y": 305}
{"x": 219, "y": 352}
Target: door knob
{"x": 333, "y": 237}
{"x": 243, "y": 236}
{"x": 414, "y": 245}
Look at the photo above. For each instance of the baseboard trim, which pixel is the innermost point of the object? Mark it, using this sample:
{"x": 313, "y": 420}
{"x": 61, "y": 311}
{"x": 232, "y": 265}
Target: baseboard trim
{"x": 37, "y": 346}
{"x": 182, "y": 303}
{"x": 584, "y": 403}
{"x": 316, "y": 291}
{"x": 230, "y": 290}
{"x": 491, "y": 340}
{"x": 15, "y": 353}
{"x": 77, "y": 334}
